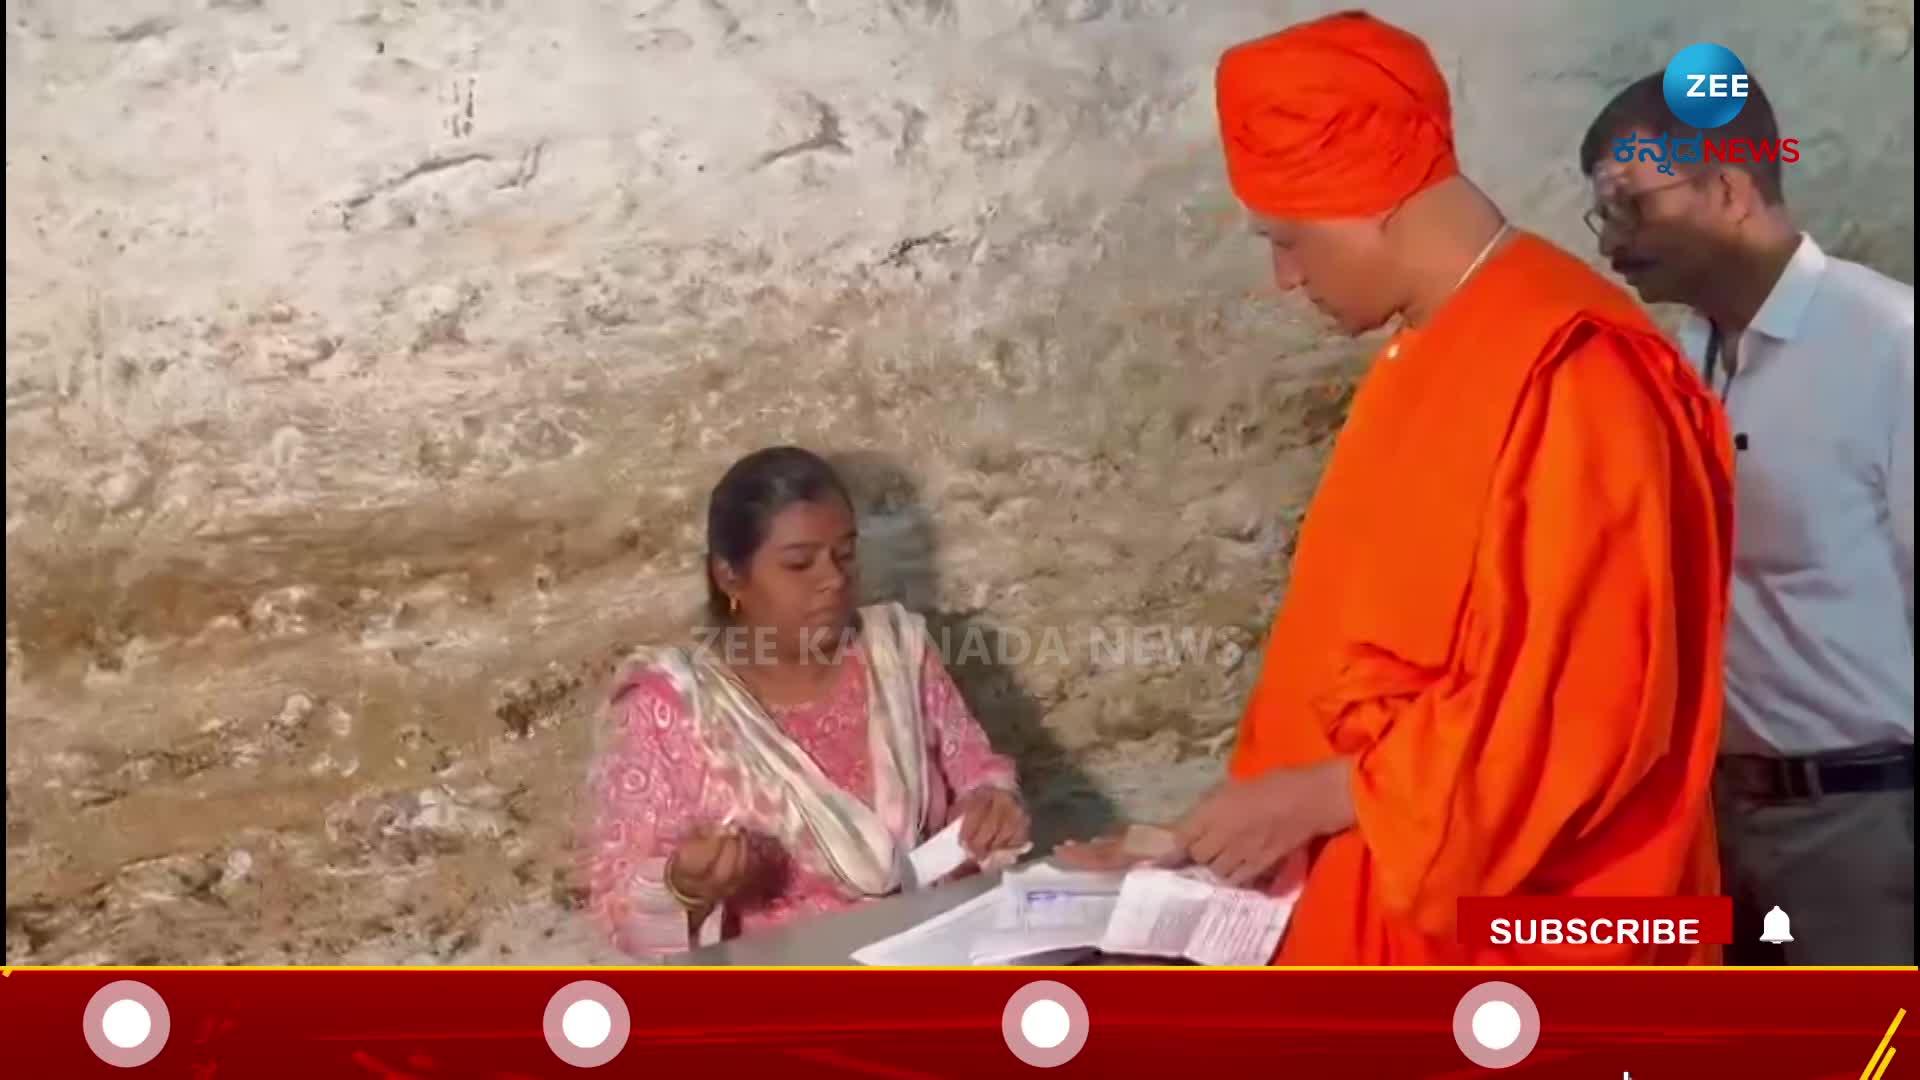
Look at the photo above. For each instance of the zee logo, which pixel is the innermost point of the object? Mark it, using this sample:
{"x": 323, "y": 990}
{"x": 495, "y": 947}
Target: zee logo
{"x": 1716, "y": 86}
{"x": 1705, "y": 85}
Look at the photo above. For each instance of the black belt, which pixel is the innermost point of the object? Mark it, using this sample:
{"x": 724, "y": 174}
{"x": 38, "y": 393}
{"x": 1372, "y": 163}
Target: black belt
{"x": 1810, "y": 777}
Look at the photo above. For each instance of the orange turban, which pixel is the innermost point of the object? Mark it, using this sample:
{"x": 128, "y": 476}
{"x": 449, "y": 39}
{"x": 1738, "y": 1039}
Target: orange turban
{"x": 1344, "y": 116}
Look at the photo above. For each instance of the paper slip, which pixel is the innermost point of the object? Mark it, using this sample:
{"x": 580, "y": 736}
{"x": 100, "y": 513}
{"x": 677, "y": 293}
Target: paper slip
{"x": 943, "y": 854}
{"x": 1194, "y": 916}
{"x": 938, "y": 857}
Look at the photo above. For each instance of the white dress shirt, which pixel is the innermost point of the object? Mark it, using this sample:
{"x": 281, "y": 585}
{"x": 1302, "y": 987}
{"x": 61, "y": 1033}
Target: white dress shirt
{"x": 1820, "y": 636}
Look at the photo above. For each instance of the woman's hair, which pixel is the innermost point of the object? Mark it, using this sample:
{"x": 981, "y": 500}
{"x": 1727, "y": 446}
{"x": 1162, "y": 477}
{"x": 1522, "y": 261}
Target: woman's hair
{"x": 744, "y": 502}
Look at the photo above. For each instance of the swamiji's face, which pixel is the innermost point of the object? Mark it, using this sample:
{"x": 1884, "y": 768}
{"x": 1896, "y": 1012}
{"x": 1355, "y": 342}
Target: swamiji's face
{"x": 1344, "y": 267}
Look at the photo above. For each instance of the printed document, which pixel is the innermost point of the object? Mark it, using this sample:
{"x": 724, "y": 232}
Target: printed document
{"x": 1192, "y": 915}
{"x": 1045, "y": 914}
{"x": 946, "y": 940}
{"x": 1047, "y": 897}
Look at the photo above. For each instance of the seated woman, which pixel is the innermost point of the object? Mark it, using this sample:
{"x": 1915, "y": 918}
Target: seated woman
{"x": 786, "y": 764}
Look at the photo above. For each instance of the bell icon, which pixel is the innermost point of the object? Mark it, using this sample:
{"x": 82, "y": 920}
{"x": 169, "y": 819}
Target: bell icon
{"x": 1776, "y": 928}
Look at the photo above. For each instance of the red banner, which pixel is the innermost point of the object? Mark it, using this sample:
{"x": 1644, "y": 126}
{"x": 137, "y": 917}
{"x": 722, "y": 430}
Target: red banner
{"x": 1596, "y": 921}
{"x": 492, "y": 1024}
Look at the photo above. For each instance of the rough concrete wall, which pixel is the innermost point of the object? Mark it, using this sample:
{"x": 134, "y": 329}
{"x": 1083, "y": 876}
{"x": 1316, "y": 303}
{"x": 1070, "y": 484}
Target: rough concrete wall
{"x": 368, "y": 362}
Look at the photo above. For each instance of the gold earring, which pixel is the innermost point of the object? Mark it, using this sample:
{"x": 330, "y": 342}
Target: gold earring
{"x": 733, "y": 605}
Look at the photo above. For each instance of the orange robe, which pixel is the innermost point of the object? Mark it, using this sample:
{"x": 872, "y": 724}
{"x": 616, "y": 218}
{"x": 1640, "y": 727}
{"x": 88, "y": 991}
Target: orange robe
{"x": 1507, "y": 604}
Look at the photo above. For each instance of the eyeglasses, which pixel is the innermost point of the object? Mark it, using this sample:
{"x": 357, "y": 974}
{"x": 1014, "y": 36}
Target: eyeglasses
{"x": 1623, "y": 213}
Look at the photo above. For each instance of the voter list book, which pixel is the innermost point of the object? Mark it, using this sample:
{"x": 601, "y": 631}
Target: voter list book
{"x": 1046, "y": 915}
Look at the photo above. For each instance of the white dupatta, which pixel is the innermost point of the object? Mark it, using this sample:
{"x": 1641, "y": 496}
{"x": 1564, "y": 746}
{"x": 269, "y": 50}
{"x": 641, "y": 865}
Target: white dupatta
{"x": 819, "y": 823}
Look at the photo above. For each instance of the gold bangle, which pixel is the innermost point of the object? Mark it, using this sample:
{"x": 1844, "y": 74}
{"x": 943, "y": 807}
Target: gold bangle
{"x": 685, "y": 901}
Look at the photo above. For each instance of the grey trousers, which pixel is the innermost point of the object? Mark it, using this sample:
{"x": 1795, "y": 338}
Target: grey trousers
{"x": 1840, "y": 866}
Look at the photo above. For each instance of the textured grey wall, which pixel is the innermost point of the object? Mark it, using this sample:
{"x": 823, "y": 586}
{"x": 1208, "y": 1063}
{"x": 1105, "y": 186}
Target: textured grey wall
{"x": 367, "y": 364}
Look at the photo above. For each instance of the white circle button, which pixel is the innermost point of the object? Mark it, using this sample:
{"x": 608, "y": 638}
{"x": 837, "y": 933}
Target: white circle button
{"x": 1045, "y": 1023}
{"x": 586, "y": 1023}
{"x": 1496, "y": 1024}
{"x": 126, "y": 1023}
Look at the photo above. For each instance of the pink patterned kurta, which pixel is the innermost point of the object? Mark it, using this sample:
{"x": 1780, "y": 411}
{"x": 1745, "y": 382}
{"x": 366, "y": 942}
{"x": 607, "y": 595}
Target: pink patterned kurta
{"x": 656, "y": 784}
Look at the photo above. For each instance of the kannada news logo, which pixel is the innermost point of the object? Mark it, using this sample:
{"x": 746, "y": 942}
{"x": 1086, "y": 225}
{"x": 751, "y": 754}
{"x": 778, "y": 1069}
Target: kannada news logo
{"x": 1706, "y": 86}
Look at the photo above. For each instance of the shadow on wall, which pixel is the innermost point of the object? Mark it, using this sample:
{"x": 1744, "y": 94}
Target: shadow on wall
{"x": 899, "y": 561}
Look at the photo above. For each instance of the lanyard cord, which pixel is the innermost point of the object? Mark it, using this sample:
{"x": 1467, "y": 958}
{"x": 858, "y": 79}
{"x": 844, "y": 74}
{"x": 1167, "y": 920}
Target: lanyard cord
{"x": 1713, "y": 362}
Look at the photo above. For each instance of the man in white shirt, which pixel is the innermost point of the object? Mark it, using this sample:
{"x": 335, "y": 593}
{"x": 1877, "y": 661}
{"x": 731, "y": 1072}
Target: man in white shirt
{"x": 1812, "y": 356}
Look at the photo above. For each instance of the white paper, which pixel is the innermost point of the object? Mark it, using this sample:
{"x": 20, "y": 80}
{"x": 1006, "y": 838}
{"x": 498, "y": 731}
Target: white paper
{"x": 1192, "y": 915}
{"x": 1051, "y": 915}
{"x": 1030, "y": 915}
{"x": 1046, "y": 897}
{"x": 1042, "y": 946}
{"x": 946, "y": 940}
{"x": 1157, "y": 915}
{"x": 943, "y": 853}
{"x": 1240, "y": 928}
{"x": 938, "y": 857}
{"x": 1044, "y": 914}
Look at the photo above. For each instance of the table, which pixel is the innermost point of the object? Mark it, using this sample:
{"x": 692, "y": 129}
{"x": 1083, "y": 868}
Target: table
{"x": 830, "y": 940}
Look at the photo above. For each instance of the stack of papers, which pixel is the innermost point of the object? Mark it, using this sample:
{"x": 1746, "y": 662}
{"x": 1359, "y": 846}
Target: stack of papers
{"x": 1045, "y": 915}
{"x": 1178, "y": 915}
{"x": 946, "y": 940}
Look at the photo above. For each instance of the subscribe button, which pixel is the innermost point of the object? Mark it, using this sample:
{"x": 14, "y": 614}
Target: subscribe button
{"x": 1596, "y": 920}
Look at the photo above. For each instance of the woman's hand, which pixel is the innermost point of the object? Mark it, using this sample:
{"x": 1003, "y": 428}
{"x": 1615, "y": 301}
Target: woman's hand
{"x": 709, "y": 868}
{"x": 993, "y": 821}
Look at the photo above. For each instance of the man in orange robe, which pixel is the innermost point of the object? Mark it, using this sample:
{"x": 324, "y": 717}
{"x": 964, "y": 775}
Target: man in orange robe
{"x": 1496, "y": 670}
